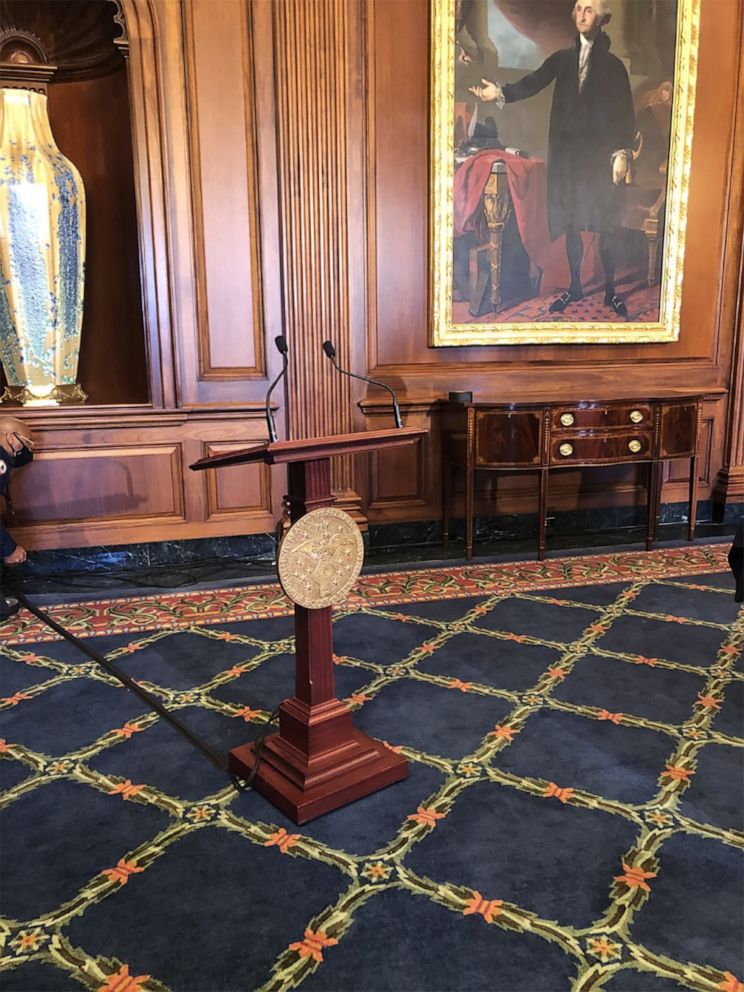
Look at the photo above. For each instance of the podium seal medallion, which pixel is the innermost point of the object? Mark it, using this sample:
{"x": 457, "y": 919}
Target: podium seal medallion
{"x": 320, "y": 558}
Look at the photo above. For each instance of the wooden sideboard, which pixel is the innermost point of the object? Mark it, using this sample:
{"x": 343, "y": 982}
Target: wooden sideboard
{"x": 541, "y": 436}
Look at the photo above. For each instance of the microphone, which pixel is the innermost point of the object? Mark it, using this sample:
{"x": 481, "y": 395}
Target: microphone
{"x": 330, "y": 352}
{"x": 281, "y": 343}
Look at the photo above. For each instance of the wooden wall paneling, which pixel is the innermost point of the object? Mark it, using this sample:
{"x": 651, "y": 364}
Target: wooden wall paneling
{"x": 358, "y": 182}
{"x": 312, "y": 52}
{"x": 244, "y": 490}
{"x": 216, "y": 243}
{"x": 398, "y": 478}
{"x": 729, "y": 484}
{"x": 222, "y": 143}
{"x": 147, "y": 24}
{"x": 397, "y": 484}
{"x": 132, "y": 482}
{"x": 121, "y": 475}
{"x": 397, "y": 125}
{"x": 238, "y": 499}
{"x": 715, "y": 174}
{"x": 271, "y": 268}
{"x": 369, "y": 401}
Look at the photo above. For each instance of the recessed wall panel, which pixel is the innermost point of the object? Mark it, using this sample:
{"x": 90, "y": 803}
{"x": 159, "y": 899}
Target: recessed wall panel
{"x": 219, "y": 71}
{"x": 239, "y": 489}
{"x": 111, "y": 483}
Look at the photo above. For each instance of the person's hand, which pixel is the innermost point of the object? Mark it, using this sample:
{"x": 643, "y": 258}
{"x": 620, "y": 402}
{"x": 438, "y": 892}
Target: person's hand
{"x": 15, "y": 443}
{"x": 16, "y": 557}
{"x": 620, "y": 168}
{"x": 487, "y": 91}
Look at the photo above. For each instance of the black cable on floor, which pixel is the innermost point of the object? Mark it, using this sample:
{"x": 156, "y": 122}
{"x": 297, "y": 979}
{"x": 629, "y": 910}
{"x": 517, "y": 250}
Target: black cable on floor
{"x": 209, "y": 753}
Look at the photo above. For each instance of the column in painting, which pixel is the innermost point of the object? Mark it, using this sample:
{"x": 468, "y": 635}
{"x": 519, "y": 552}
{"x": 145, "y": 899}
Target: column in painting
{"x": 42, "y": 237}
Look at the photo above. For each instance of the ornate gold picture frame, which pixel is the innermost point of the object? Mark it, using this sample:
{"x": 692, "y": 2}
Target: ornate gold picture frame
{"x": 560, "y": 156}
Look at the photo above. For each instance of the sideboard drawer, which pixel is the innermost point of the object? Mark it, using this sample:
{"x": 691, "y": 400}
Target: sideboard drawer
{"x": 602, "y": 416}
{"x": 506, "y": 438}
{"x": 606, "y": 448}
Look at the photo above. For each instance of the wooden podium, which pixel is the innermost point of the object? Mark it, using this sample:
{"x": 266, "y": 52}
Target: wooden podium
{"x": 318, "y": 760}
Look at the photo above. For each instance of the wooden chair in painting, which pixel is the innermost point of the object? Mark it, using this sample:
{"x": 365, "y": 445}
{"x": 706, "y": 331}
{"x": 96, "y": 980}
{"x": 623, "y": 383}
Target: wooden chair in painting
{"x": 646, "y": 197}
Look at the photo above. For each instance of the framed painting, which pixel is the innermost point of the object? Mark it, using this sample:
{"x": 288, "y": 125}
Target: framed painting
{"x": 560, "y": 150}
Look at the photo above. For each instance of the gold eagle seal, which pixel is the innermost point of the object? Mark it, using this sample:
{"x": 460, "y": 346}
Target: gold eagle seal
{"x": 320, "y": 558}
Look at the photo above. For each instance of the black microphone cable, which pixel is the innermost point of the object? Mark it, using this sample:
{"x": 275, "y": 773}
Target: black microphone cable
{"x": 330, "y": 352}
{"x": 154, "y": 704}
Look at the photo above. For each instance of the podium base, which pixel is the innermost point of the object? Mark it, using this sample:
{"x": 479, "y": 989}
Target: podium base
{"x": 304, "y": 791}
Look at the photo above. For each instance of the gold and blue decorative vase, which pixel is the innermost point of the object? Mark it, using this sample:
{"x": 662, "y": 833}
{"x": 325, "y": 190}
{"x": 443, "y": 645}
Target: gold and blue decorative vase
{"x": 42, "y": 237}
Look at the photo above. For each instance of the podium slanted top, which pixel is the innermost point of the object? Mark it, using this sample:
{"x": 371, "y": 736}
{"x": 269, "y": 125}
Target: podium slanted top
{"x": 312, "y": 448}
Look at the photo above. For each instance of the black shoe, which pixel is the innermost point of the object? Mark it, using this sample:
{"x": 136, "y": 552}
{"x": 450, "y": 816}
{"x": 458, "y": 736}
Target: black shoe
{"x": 617, "y": 304}
{"x": 8, "y": 608}
{"x": 559, "y": 305}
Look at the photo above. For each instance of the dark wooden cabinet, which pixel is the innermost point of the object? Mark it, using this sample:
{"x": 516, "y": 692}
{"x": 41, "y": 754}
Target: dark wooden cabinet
{"x": 546, "y": 435}
{"x": 506, "y": 437}
{"x": 678, "y": 437}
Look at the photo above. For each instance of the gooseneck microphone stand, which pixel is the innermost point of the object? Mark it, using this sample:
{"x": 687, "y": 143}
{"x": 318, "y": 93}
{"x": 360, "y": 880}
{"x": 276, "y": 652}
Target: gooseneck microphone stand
{"x": 330, "y": 352}
{"x": 281, "y": 343}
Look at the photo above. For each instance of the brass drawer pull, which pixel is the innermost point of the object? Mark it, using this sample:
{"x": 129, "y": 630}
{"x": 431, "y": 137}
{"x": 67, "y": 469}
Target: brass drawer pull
{"x": 566, "y": 449}
{"x": 634, "y": 446}
{"x": 567, "y": 419}
{"x": 636, "y": 416}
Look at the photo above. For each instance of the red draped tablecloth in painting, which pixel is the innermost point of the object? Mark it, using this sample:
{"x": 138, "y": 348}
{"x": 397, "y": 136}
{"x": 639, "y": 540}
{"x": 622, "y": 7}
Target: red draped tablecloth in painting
{"x": 527, "y": 178}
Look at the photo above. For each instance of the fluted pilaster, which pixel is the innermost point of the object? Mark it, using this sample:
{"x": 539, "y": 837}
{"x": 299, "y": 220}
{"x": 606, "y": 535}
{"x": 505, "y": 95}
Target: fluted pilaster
{"x": 311, "y": 84}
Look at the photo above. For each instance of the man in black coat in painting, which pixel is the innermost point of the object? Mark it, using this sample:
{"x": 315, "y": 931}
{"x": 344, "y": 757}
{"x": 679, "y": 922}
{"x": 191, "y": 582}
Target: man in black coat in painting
{"x": 592, "y": 128}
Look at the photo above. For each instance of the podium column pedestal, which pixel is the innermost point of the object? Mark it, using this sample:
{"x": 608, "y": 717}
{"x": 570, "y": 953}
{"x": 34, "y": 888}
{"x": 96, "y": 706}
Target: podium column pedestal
{"x": 304, "y": 785}
{"x": 318, "y": 761}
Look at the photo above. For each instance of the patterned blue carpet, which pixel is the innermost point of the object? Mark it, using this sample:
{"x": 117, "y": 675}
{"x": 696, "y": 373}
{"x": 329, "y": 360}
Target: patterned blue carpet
{"x": 572, "y": 819}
